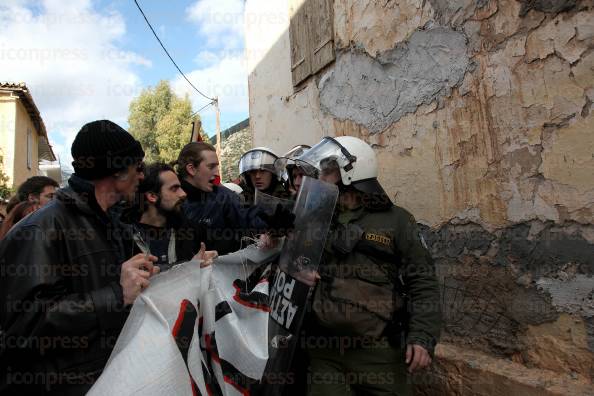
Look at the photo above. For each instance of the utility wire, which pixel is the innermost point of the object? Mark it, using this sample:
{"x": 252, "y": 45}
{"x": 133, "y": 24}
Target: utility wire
{"x": 202, "y": 108}
{"x": 167, "y": 52}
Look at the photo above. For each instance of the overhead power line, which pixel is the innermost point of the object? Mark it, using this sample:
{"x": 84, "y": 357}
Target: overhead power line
{"x": 203, "y": 107}
{"x": 167, "y": 52}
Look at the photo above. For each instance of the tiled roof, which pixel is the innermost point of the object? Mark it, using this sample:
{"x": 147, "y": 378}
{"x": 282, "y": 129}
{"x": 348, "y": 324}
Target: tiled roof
{"x": 20, "y": 89}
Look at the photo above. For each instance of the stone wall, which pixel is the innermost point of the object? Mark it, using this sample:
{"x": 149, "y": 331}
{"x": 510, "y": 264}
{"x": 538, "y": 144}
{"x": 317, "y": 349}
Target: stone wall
{"x": 481, "y": 114}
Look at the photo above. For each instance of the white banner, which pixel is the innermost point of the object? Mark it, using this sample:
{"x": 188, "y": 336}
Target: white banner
{"x": 194, "y": 331}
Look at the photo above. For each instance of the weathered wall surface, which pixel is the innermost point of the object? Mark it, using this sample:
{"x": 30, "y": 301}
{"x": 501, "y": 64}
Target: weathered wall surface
{"x": 7, "y": 138}
{"x": 22, "y": 126}
{"x": 282, "y": 119}
{"x": 481, "y": 113}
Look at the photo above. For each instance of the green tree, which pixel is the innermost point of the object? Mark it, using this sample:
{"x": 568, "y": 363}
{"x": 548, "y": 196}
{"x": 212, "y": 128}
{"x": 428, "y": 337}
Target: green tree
{"x": 162, "y": 122}
{"x": 5, "y": 191}
{"x": 232, "y": 149}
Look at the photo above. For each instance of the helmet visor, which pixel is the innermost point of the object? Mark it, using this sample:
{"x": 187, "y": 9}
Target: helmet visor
{"x": 326, "y": 154}
{"x": 257, "y": 159}
{"x": 297, "y": 151}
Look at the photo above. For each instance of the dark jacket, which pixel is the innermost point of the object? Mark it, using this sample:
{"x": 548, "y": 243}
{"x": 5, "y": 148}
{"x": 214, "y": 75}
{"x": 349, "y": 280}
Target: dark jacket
{"x": 61, "y": 306}
{"x": 378, "y": 278}
{"x": 187, "y": 239}
{"x": 221, "y": 212}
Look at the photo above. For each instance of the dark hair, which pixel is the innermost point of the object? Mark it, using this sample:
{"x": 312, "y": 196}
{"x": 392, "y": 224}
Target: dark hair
{"x": 17, "y": 213}
{"x": 35, "y": 185}
{"x": 12, "y": 202}
{"x": 191, "y": 154}
{"x": 152, "y": 182}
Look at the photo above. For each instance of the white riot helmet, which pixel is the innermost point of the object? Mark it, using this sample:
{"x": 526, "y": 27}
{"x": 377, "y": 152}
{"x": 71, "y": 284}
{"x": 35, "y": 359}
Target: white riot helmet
{"x": 258, "y": 158}
{"x": 285, "y": 164}
{"x": 355, "y": 159}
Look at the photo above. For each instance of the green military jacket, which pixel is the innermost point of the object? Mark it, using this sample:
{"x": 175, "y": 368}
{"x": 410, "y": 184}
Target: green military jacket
{"x": 377, "y": 273}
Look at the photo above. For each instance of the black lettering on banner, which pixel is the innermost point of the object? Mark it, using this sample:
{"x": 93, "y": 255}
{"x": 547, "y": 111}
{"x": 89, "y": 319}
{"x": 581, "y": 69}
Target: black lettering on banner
{"x": 287, "y": 300}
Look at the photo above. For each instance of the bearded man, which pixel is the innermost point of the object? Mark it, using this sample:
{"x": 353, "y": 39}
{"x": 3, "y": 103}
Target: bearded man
{"x": 162, "y": 230}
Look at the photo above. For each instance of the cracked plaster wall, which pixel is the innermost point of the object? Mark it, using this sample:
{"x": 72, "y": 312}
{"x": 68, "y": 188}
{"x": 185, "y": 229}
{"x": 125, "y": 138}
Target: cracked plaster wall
{"x": 491, "y": 146}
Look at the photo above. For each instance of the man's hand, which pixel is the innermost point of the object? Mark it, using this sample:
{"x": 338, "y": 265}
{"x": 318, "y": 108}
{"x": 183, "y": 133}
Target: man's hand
{"x": 205, "y": 257}
{"x": 307, "y": 276}
{"x": 279, "y": 223}
{"x": 417, "y": 357}
{"x": 135, "y": 274}
{"x": 266, "y": 242}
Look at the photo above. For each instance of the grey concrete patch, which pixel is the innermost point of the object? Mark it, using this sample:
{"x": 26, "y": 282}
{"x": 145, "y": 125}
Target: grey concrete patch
{"x": 546, "y": 252}
{"x": 571, "y": 295}
{"x": 493, "y": 284}
{"x": 377, "y": 92}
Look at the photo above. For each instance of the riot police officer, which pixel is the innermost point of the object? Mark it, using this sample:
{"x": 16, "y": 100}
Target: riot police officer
{"x": 376, "y": 314}
{"x": 291, "y": 171}
{"x": 257, "y": 171}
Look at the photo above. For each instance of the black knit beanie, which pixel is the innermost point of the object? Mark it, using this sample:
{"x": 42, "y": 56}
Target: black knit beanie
{"x": 102, "y": 148}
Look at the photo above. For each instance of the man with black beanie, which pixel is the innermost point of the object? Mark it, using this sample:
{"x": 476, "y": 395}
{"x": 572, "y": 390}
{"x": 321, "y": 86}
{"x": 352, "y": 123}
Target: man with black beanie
{"x": 68, "y": 274}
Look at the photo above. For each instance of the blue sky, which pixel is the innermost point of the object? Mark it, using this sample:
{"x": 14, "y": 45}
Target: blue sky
{"x": 89, "y": 60}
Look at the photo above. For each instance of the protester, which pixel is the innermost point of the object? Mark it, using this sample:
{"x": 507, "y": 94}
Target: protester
{"x": 38, "y": 189}
{"x": 68, "y": 271}
{"x": 377, "y": 290}
{"x": 17, "y": 214}
{"x": 162, "y": 229}
{"x": 218, "y": 207}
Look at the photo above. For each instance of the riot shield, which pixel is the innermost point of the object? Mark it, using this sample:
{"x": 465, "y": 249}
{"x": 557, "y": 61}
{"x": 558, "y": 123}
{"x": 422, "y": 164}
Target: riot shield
{"x": 292, "y": 283}
{"x": 268, "y": 203}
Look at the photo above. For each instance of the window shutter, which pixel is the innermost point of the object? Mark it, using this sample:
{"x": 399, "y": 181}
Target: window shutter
{"x": 321, "y": 34}
{"x": 300, "y": 59}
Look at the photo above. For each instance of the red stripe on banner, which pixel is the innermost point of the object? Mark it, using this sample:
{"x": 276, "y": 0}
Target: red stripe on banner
{"x": 241, "y": 390}
{"x": 180, "y": 317}
{"x": 248, "y": 304}
{"x": 208, "y": 390}
{"x": 263, "y": 280}
{"x": 194, "y": 389}
{"x": 175, "y": 331}
{"x": 213, "y": 356}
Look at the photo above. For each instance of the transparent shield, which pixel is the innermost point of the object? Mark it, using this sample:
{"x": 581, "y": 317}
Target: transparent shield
{"x": 293, "y": 280}
{"x": 267, "y": 203}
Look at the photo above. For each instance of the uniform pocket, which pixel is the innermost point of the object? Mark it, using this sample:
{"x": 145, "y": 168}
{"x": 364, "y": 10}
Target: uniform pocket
{"x": 353, "y": 307}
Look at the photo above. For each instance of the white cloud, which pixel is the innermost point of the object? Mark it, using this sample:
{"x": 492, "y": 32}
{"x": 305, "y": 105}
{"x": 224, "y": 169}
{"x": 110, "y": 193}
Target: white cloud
{"x": 70, "y": 59}
{"x": 222, "y": 70}
{"x": 220, "y": 22}
{"x": 225, "y": 76}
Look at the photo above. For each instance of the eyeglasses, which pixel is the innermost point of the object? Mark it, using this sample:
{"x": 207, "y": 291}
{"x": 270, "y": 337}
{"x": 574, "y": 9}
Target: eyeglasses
{"x": 140, "y": 167}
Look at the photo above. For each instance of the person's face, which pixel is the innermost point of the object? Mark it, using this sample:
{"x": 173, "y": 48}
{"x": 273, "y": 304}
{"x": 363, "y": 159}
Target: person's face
{"x": 172, "y": 195}
{"x": 203, "y": 176}
{"x": 331, "y": 175}
{"x": 46, "y": 195}
{"x": 261, "y": 179}
{"x": 297, "y": 175}
{"x": 126, "y": 182}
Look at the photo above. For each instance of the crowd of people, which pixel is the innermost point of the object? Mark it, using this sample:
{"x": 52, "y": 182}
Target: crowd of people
{"x": 74, "y": 259}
